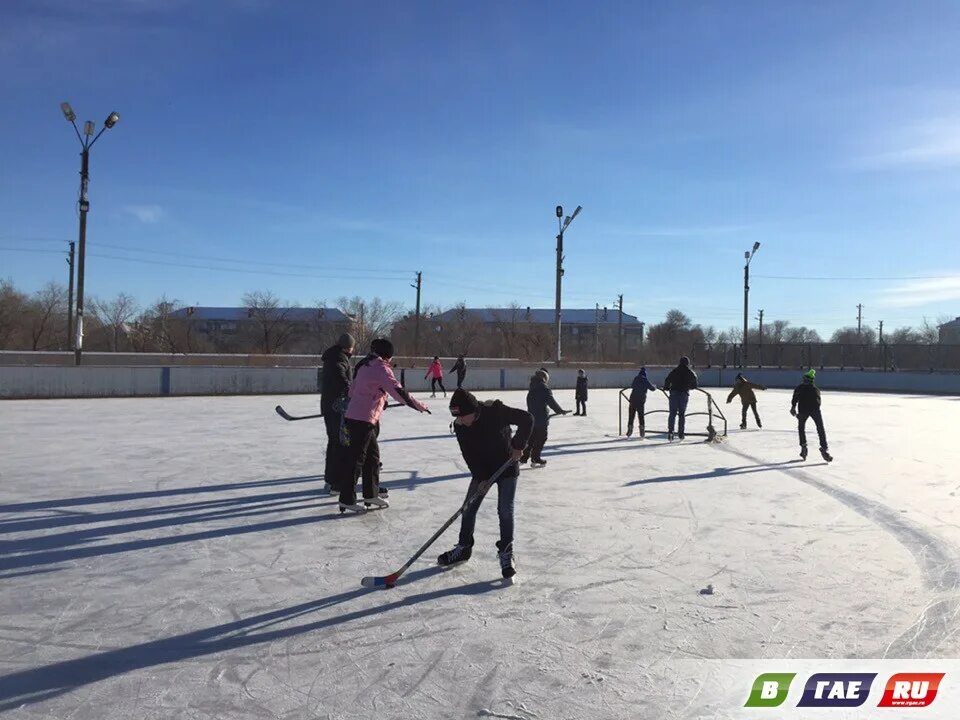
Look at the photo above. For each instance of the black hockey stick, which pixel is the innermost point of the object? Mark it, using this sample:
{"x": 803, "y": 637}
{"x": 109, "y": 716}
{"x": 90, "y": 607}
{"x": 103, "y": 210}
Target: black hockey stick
{"x": 388, "y": 581}
{"x": 287, "y": 416}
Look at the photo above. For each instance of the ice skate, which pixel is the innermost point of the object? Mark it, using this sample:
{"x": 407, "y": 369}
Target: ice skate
{"x": 538, "y": 463}
{"x": 743, "y": 426}
{"x": 629, "y": 431}
{"x": 826, "y": 455}
{"x": 803, "y": 452}
{"x": 507, "y": 568}
{"x": 459, "y": 554}
{"x": 355, "y": 508}
{"x": 383, "y": 492}
{"x": 376, "y": 503}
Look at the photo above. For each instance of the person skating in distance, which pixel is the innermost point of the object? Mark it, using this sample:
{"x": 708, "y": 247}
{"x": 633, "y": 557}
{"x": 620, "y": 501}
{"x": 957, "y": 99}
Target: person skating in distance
{"x": 335, "y": 381}
{"x": 540, "y": 401}
{"x": 745, "y": 389}
{"x": 806, "y": 404}
{"x": 638, "y": 401}
{"x": 679, "y": 383}
{"x": 460, "y": 368}
{"x": 435, "y": 375}
{"x": 373, "y": 381}
{"x": 483, "y": 431}
{"x": 580, "y": 395}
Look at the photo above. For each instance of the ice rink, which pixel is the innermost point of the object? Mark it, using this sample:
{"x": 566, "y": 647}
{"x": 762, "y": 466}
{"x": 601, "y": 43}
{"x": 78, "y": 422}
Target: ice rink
{"x": 174, "y": 557}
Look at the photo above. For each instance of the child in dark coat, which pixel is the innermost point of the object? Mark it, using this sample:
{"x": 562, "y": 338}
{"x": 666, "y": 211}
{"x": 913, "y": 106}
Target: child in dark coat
{"x": 581, "y": 393}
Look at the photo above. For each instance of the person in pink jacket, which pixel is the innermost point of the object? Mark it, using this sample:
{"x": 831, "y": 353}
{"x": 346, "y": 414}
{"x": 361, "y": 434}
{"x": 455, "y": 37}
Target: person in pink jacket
{"x": 435, "y": 373}
{"x": 373, "y": 381}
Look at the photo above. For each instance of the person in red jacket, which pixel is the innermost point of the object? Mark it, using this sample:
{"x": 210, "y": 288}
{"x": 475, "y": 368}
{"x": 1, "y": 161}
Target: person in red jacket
{"x": 435, "y": 374}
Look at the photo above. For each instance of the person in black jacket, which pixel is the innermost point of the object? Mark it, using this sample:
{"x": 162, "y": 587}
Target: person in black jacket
{"x": 483, "y": 432}
{"x": 540, "y": 401}
{"x": 679, "y": 383}
{"x": 638, "y": 401}
{"x": 806, "y": 404}
{"x": 581, "y": 393}
{"x": 460, "y": 368}
{"x": 334, "y": 383}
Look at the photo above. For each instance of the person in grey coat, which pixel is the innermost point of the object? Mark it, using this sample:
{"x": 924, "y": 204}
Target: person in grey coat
{"x": 540, "y": 401}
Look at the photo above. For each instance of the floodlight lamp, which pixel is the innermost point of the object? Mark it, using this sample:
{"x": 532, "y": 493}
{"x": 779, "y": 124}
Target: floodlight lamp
{"x": 67, "y": 111}
{"x": 559, "y": 211}
{"x": 756, "y": 246}
{"x": 746, "y": 255}
{"x": 111, "y": 120}
{"x": 576, "y": 212}
{"x": 88, "y": 128}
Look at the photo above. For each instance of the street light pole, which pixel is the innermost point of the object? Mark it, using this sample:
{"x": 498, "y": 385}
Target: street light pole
{"x": 86, "y": 142}
{"x": 563, "y": 224}
{"x": 748, "y": 256}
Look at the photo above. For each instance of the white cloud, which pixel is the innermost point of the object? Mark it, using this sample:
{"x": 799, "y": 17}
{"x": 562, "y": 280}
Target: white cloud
{"x": 923, "y": 292}
{"x": 934, "y": 142}
{"x": 147, "y": 214}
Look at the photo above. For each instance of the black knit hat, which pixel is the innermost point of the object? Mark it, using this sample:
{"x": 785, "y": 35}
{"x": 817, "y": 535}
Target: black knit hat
{"x": 463, "y": 402}
{"x": 382, "y": 347}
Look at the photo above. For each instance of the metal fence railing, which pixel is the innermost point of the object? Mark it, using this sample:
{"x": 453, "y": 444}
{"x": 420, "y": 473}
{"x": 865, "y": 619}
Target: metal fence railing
{"x": 878, "y": 356}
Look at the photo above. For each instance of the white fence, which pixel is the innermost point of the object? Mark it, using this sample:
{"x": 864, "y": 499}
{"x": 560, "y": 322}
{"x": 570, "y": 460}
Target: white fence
{"x": 92, "y": 381}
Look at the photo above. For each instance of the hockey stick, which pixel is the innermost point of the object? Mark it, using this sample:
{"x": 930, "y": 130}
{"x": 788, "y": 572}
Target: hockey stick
{"x": 287, "y": 416}
{"x": 388, "y": 581}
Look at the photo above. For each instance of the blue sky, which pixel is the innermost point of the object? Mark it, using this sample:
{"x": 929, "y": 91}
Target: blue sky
{"x": 350, "y": 144}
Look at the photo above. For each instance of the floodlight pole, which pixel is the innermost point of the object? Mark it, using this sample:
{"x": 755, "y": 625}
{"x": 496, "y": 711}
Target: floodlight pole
{"x": 563, "y": 224}
{"x": 86, "y": 142}
{"x": 748, "y": 256}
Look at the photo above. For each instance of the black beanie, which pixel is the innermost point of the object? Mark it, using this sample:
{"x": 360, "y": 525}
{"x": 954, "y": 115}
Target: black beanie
{"x": 463, "y": 402}
{"x": 382, "y": 347}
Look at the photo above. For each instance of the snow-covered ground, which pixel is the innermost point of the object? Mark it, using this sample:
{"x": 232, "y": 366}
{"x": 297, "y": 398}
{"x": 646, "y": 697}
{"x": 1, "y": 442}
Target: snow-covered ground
{"x": 172, "y": 557}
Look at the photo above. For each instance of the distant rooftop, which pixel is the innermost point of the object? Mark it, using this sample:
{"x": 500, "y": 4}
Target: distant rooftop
{"x": 299, "y": 314}
{"x": 952, "y": 324}
{"x": 542, "y": 316}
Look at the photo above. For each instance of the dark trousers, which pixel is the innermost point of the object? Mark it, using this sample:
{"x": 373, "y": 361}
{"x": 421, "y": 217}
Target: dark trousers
{"x": 756, "y": 415}
{"x": 506, "y": 491}
{"x": 331, "y": 420}
{"x": 360, "y": 456}
{"x": 460, "y": 377}
{"x": 581, "y": 406}
{"x": 818, "y": 421}
{"x": 538, "y": 438}
{"x": 636, "y": 410}
{"x": 433, "y": 385}
{"x": 678, "y": 411}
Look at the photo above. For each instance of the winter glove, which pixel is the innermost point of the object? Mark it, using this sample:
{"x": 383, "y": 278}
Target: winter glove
{"x": 793, "y": 412}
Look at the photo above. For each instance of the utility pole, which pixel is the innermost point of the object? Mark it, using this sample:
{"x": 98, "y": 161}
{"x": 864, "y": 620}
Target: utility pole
{"x": 859, "y": 318}
{"x": 620, "y": 329}
{"x": 70, "y": 259}
{"x": 563, "y": 224}
{"x": 416, "y": 327}
{"x": 596, "y": 333}
{"x": 760, "y": 343}
{"x": 881, "y": 332}
{"x": 363, "y": 333}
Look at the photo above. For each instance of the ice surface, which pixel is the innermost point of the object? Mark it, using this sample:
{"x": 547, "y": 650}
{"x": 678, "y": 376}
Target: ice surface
{"x": 172, "y": 558}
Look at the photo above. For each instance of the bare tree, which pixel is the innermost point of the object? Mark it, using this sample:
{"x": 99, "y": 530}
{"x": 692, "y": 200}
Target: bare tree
{"x": 45, "y": 313}
{"x": 272, "y": 325}
{"x": 12, "y": 302}
{"x": 115, "y": 315}
{"x": 850, "y": 336}
{"x": 371, "y": 319}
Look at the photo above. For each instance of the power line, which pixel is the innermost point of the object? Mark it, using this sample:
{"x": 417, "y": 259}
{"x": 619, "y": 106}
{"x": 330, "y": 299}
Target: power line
{"x": 845, "y": 279}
